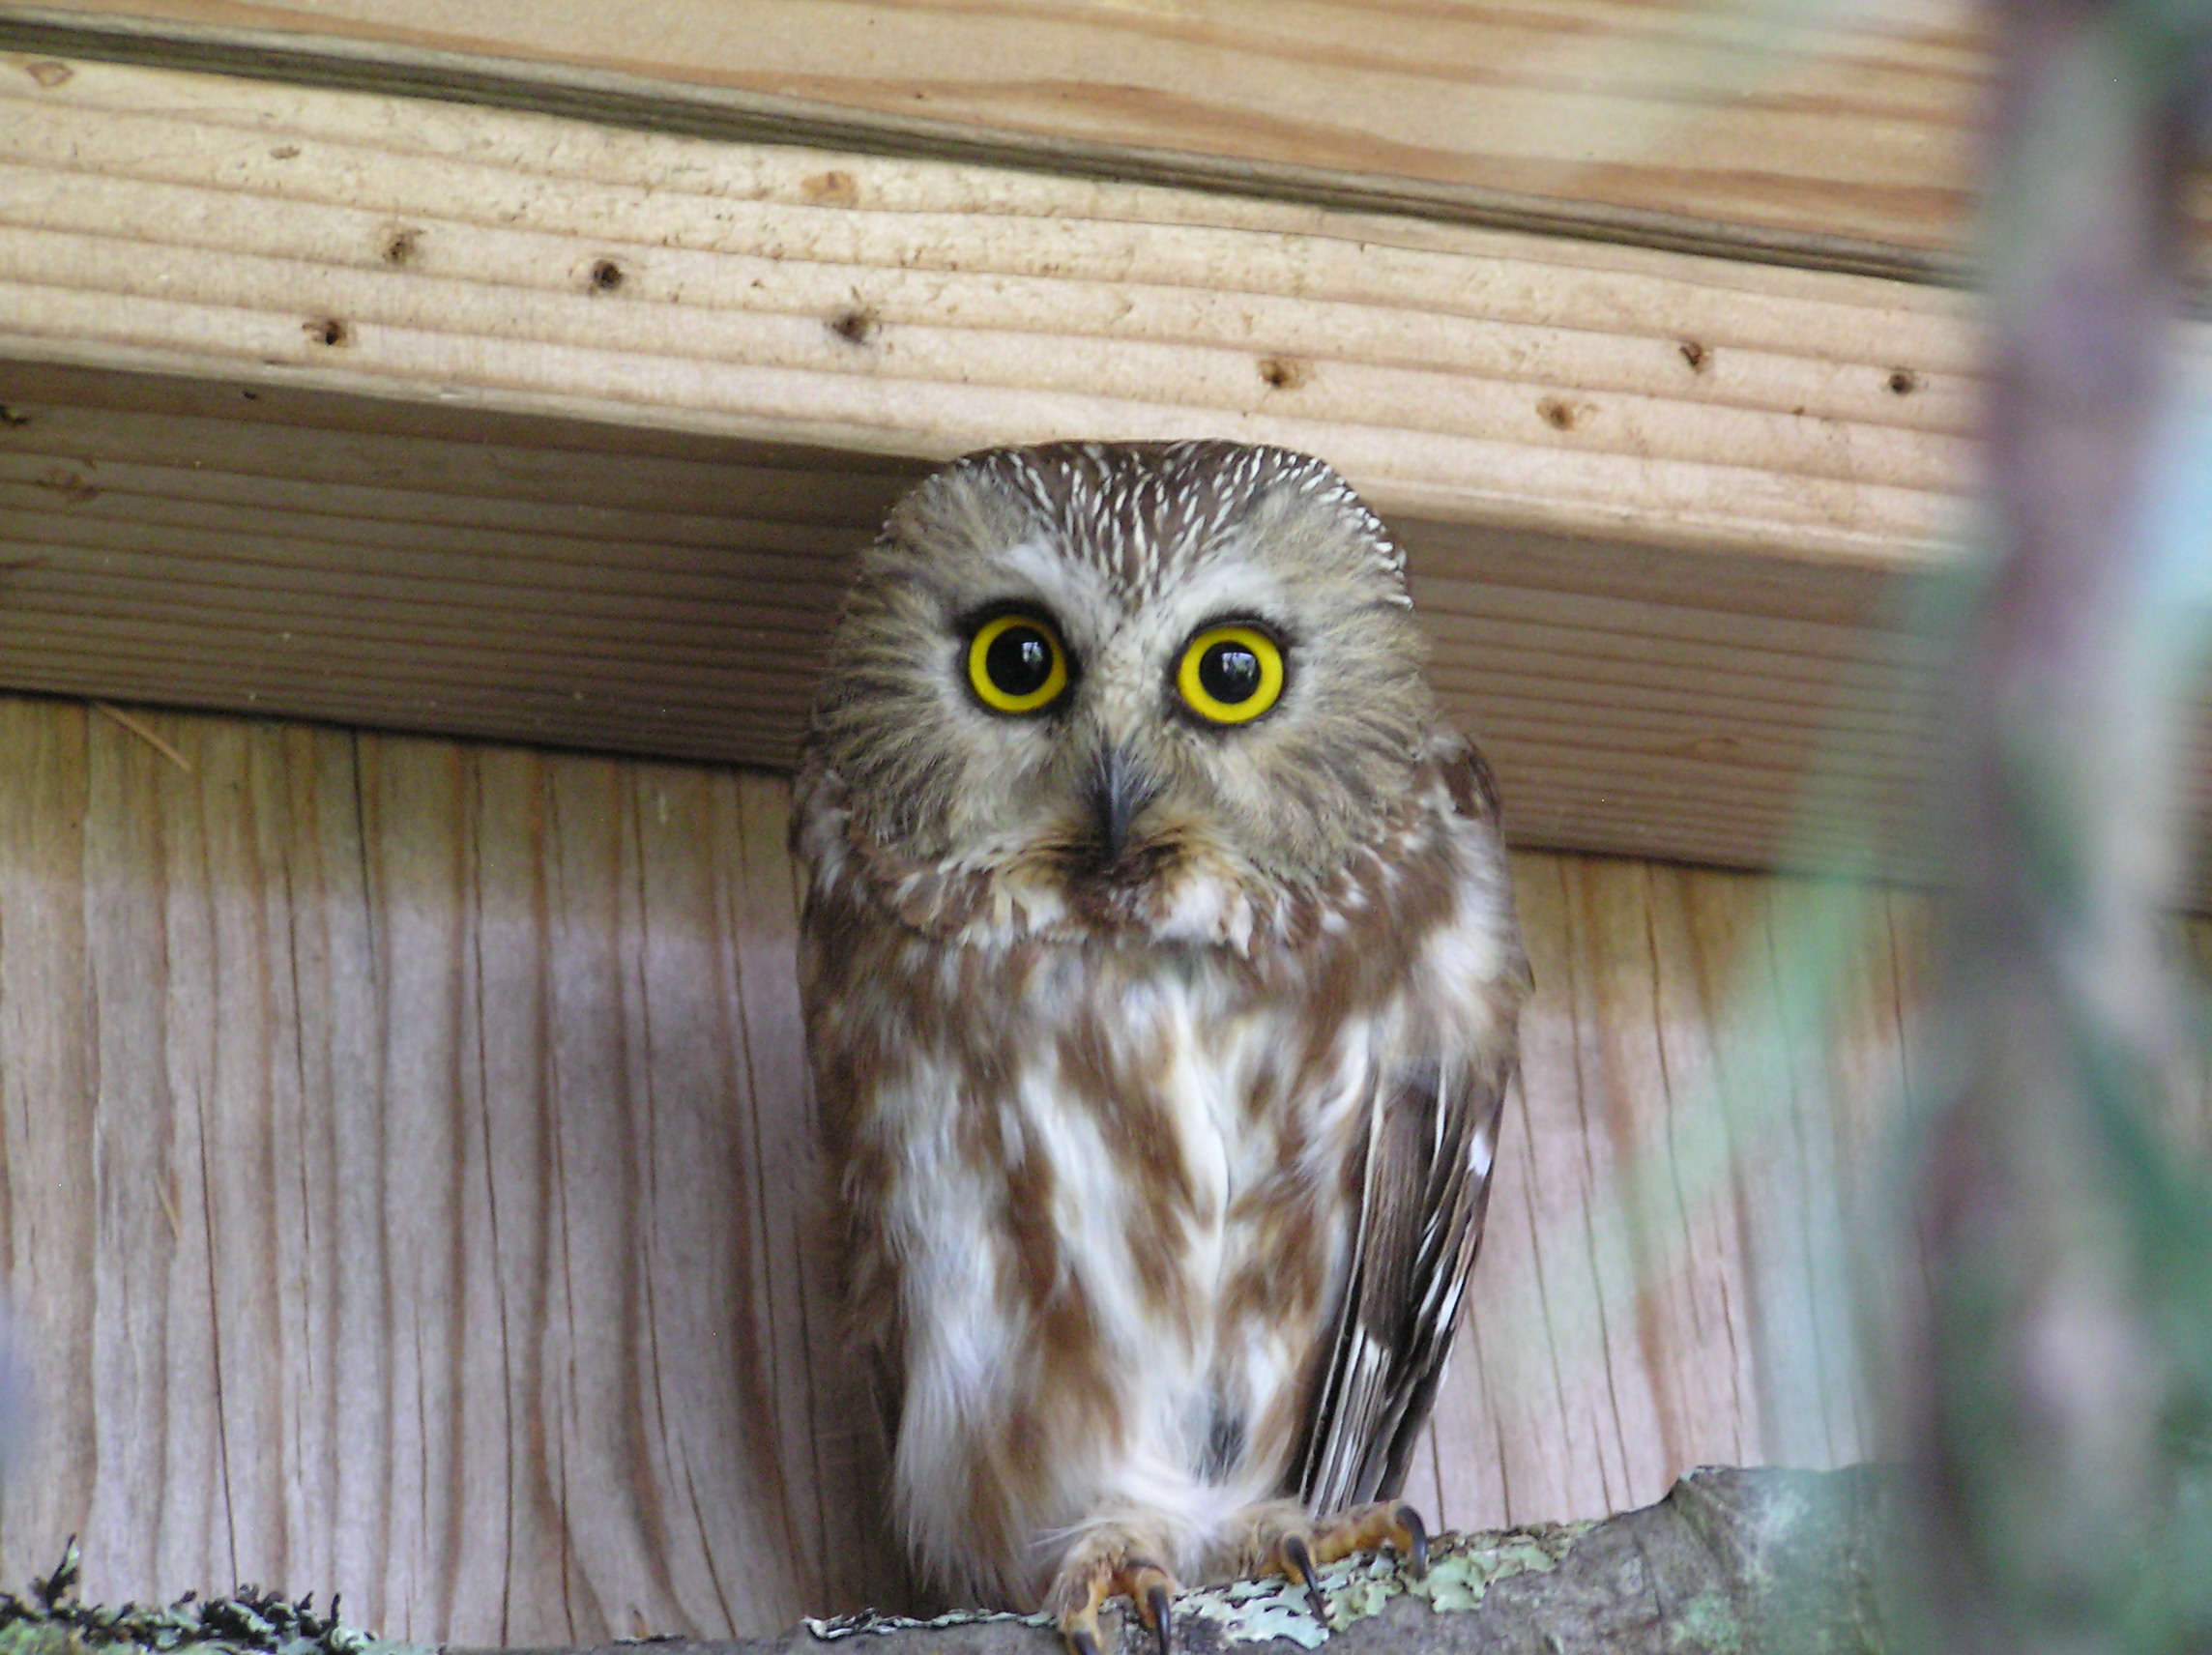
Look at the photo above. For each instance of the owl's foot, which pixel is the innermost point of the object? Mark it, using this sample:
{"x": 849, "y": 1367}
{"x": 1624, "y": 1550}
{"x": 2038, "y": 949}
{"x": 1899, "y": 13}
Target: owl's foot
{"x": 1112, "y": 1562}
{"x": 1364, "y": 1527}
{"x": 1284, "y": 1541}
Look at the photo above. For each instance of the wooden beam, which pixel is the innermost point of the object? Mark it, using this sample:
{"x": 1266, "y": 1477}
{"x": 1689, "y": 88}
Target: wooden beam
{"x": 399, "y": 566}
{"x": 283, "y": 235}
{"x": 1676, "y": 125}
{"x": 491, "y": 424}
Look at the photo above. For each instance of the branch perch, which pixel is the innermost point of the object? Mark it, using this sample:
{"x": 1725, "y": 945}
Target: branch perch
{"x": 1732, "y": 1562}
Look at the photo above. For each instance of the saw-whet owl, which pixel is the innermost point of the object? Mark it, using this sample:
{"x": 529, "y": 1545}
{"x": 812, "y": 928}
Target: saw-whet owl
{"x": 1161, "y": 981}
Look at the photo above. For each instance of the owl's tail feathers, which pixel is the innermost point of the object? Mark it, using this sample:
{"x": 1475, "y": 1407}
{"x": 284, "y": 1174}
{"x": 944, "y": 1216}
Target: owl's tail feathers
{"x": 1111, "y": 1562}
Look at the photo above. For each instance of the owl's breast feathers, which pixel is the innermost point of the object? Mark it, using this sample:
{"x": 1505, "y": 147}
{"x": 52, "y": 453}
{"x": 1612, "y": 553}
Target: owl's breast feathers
{"x": 1159, "y": 1196}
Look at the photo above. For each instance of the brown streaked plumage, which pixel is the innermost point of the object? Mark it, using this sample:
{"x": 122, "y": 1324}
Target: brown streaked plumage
{"x": 1161, "y": 979}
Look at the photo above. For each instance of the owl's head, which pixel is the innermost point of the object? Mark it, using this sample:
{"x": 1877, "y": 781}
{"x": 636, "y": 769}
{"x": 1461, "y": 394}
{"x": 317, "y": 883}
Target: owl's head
{"x": 1101, "y": 669}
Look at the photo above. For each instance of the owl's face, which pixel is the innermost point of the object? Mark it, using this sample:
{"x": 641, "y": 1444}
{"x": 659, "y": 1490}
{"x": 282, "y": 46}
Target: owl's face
{"x": 1105, "y": 665}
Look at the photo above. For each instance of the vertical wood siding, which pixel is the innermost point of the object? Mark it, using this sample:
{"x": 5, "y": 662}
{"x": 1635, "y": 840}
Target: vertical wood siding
{"x": 405, "y": 1190}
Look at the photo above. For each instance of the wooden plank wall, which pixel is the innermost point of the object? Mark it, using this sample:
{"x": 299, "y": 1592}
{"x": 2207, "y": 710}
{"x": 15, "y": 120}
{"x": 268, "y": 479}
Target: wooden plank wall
{"x": 406, "y": 1190}
{"x": 405, "y": 1152}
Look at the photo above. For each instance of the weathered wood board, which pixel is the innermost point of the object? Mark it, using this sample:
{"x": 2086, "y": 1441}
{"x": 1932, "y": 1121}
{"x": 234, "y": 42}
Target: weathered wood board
{"x": 1841, "y": 134}
{"x": 484, "y": 423}
{"x": 455, "y": 255}
{"x": 404, "y": 1189}
{"x": 267, "y": 549}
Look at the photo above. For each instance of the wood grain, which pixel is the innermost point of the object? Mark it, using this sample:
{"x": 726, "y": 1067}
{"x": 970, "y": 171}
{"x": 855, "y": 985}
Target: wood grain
{"x": 279, "y": 235}
{"x": 406, "y": 1175}
{"x": 1847, "y": 142}
{"x": 405, "y": 1158}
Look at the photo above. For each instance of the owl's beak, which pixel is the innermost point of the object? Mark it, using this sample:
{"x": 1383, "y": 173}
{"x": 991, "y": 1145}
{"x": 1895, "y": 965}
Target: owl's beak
{"x": 1120, "y": 791}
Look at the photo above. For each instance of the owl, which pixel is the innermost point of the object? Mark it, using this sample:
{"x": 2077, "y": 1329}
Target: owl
{"x": 1161, "y": 981}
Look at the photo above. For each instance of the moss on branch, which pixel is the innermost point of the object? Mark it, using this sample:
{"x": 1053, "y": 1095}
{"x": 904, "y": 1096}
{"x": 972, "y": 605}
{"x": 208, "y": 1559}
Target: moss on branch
{"x": 1732, "y": 1562}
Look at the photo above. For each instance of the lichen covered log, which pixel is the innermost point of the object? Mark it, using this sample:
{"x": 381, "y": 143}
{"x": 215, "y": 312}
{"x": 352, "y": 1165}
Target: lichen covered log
{"x": 1732, "y": 1562}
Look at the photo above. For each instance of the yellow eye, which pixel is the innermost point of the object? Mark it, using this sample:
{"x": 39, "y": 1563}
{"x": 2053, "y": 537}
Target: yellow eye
{"x": 1016, "y": 664}
{"x": 1230, "y": 675}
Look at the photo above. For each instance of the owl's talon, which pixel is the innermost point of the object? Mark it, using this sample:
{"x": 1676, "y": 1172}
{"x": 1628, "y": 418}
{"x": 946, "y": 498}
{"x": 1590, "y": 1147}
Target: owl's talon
{"x": 1161, "y": 1603}
{"x": 1392, "y": 1522}
{"x": 1412, "y": 1540}
{"x": 1299, "y": 1557}
{"x": 1087, "y": 1580}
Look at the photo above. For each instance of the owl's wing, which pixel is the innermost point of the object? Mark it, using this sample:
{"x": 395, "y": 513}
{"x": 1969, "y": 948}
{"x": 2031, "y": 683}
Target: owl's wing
{"x": 1425, "y": 1184}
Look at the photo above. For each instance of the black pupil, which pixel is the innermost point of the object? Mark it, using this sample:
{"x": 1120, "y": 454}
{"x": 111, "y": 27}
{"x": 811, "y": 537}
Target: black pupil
{"x": 1019, "y": 661}
{"x": 1230, "y": 673}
